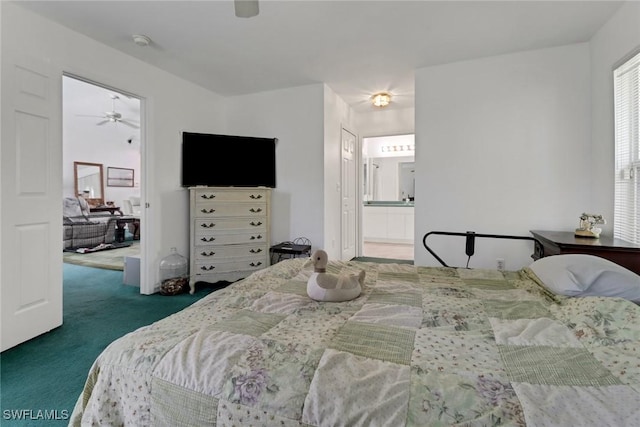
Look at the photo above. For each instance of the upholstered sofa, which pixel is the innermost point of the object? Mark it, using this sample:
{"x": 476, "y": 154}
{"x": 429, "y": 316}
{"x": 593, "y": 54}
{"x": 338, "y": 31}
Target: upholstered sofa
{"x": 82, "y": 229}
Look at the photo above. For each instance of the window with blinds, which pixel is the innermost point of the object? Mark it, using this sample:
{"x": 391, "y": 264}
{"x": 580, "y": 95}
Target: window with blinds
{"x": 626, "y": 80}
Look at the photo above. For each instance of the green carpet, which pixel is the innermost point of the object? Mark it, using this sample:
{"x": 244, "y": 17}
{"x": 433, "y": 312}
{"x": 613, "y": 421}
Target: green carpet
{"x": 48, "y": 372}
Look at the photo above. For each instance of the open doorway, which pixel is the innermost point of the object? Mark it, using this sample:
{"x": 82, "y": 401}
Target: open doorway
{"x": 388, "y": 177}
{"x": 101, "y": 165}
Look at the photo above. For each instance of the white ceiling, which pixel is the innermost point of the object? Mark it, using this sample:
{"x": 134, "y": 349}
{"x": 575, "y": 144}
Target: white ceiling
{"x": 85, "y": 104}
{"x": 356, "y": 47}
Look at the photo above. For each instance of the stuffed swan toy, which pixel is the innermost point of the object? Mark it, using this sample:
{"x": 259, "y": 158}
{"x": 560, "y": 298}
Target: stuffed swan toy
{"x": 323, "y": 286}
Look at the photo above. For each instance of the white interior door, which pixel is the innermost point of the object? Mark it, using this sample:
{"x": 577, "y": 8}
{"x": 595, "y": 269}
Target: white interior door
{"x": 31, "y": 210}
{"x": 349, "y": 171}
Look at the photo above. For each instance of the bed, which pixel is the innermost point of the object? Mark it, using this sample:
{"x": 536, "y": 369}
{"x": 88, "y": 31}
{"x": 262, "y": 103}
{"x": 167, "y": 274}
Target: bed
{"x": 421, "y": 346}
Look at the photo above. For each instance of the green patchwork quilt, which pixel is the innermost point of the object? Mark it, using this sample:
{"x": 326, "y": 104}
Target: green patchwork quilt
{"x": 422, "y": 346}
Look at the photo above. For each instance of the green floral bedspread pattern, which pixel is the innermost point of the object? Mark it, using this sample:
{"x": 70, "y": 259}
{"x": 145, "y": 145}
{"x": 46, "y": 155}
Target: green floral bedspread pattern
{"x": 420, "y": 347}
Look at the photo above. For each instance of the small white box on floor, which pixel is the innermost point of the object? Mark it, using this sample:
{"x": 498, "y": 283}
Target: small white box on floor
{"x": 131, "y": 270}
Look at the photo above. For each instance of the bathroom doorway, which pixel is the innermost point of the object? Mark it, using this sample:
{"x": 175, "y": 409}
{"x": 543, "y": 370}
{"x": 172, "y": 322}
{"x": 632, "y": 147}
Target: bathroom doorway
{"x": 388, "y": 179}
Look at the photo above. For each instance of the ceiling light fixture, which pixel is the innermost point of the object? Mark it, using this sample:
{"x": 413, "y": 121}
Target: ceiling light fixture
{"x": 381, "y": 99}
{"x": 141, "y": 40}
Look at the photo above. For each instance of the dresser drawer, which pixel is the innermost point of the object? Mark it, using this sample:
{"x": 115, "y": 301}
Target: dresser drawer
{"x": 228, "y": 238}
{"x": 204, "y": 253}
{"x": 215, "y": 210}
{"x": 216, "y": 224}
{"x": 236, "y": 195}
{"x": 223, "y": 266}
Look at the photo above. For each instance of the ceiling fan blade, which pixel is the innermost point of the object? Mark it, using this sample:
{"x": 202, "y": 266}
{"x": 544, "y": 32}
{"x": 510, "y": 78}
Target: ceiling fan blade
{"x": 102, "y": 122}
{"x": 87, "y": 115}
{"x": 125, "y": 122}
{"x": 246, "y": 8}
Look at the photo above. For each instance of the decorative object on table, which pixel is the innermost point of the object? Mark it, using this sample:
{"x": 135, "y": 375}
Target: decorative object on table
{"x": 323, "y": 286}
{"x": 587, "y": 225}
{"x": 174, "y": 274}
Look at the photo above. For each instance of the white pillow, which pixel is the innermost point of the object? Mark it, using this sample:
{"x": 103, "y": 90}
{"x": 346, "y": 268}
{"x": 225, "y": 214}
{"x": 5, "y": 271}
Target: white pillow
{"x": 586, "y": 275}
{"x": 84, "y": 206}
{"x": 71, "y": 207}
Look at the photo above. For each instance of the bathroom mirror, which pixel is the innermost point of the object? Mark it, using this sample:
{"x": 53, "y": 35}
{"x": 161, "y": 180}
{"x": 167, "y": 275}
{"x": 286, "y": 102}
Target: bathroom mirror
{"x": 407, "y": 180}
{"x": 89, "y": 182}
{"x": 389, "y": 178}
{"x": 388, "y": 168}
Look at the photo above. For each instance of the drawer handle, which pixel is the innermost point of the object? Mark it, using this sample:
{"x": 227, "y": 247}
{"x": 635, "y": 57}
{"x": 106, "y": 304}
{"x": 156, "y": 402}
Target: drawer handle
{"x": 255, "y": 251}
{"x": 207, "y": 210}
{"x": 256, "y": 237}
{"x": 211, "y": 253}
{"x": 208, "y": 196}
{"x": 253, "y": 196}
{"x": 210, "y": 225}
{"x": 255, "y": 210}
{"x": 255, "y": 224}
{"x": 255, "y": 264}
{"x": 205, "y": 268}
{"x": 210, "y": 239}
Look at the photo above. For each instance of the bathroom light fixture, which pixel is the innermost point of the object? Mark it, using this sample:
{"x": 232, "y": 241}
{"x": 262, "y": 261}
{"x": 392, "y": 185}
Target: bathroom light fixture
{"x": 381, "y": 99}
{"x": 141, "y": 40}
{"x": 390, "y": 148}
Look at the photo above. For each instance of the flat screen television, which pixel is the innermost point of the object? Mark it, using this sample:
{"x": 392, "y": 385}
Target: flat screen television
{"x": 228, "y": 161}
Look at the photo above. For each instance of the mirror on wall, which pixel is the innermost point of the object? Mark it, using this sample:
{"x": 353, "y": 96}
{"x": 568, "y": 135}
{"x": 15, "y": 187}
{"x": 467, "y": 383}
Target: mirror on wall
{"x": 388, "y": 168}
{"x": 89, "y": 182}
{"x": 407, "y": 180}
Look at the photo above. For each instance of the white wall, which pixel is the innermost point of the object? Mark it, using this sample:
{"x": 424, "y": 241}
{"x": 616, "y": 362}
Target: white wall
{"x": 502, "y": 146}
{"x": 384, "y": 122}
{"x": 295, "y": 117}
{"x": 618, "y": 38}
{"x": 171, "y": 105}
{"x": 307, "y": 122}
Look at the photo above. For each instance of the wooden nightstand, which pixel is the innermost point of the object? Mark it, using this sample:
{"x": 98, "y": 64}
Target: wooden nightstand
{"x": 565, "y": 242}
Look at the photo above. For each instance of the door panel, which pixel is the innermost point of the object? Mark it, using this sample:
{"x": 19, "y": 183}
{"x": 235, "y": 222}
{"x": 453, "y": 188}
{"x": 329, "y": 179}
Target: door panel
{"x": 32, "y": 152}
{"x": 31, "y": 211}
{"x": 348, "y": 189}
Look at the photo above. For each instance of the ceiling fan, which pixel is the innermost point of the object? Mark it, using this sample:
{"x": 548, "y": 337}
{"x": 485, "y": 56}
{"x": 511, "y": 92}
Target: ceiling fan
{"x": 113, "y": 116}
{"x": 246, "y": 8}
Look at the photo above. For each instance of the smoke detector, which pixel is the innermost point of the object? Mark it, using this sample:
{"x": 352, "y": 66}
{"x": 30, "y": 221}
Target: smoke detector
{"x": 141, "y": 40}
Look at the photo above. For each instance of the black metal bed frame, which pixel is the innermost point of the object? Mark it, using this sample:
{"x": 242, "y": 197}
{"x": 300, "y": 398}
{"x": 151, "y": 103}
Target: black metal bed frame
{"x": 471, "y": 241}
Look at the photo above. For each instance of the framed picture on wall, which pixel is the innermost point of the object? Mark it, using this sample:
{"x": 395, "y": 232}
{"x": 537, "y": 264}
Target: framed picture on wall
{"x": 119, "y": 177}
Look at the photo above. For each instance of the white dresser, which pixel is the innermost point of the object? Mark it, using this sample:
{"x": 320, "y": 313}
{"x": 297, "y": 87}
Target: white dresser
{"x": 229, "y": 232}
